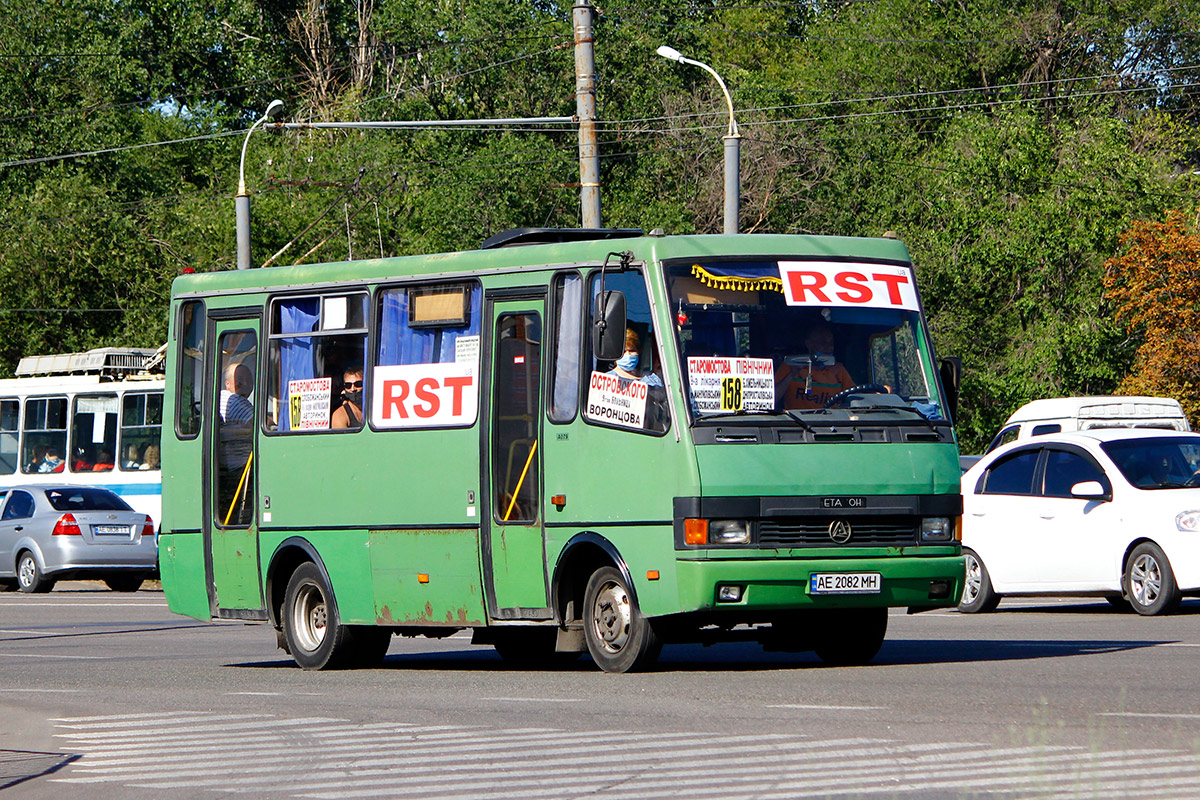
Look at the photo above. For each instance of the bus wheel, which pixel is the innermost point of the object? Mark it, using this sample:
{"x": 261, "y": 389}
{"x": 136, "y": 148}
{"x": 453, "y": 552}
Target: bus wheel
{"x": 618, "y": 637}
{"x": 29, "y": 575}
{"x": 850, "y": 637}
{"x": 315, "y": 636}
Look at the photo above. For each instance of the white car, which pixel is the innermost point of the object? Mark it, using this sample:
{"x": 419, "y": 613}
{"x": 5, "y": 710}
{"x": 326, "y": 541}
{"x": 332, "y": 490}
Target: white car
{"x": 1113, "y": 513}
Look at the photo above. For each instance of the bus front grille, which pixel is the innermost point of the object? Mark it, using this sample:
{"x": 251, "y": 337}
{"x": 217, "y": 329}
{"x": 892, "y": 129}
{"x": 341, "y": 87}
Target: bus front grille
{"x": 815, "y": 531}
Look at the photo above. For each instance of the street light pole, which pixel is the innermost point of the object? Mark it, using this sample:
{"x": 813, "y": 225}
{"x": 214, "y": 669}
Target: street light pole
{"x": 241, "y": 202}
{"x": 732, "y": 139}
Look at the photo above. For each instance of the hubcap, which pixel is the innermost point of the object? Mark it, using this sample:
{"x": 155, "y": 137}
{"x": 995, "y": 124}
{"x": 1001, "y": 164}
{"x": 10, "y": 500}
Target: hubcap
{"x": 26, "y": 570}
{"x": 1145, "y": 580}
{"x": 974, "y": 581}
{"x": 309, "y": 617}
{"x": 611, "y": 616}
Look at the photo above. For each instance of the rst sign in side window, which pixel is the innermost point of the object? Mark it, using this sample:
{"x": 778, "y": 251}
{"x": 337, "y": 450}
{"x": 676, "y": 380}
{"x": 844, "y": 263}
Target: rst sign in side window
{"x": 426, "y": 372}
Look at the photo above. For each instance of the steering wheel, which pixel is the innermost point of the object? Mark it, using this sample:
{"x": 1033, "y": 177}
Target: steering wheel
{"x": 1193, "y": 481}
{"x": 862, "y": 388}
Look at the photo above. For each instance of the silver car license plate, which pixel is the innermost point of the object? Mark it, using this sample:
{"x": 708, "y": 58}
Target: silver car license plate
{"x": 111, "y": 530}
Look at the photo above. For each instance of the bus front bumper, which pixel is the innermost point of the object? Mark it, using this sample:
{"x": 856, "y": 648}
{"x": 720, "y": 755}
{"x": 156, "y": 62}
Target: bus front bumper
{"x": 779, "y": 584}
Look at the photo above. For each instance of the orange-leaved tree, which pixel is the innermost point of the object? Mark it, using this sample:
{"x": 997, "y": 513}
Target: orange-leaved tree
{"x": 1154, "y": 286}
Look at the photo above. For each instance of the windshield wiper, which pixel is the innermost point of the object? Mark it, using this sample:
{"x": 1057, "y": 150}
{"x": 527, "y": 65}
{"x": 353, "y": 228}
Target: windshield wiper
{"x": 791, "y": 412}
{"x": 928, "y": 422}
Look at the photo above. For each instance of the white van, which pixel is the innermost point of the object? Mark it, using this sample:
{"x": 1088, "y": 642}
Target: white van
{"x": 1083, "y": 413}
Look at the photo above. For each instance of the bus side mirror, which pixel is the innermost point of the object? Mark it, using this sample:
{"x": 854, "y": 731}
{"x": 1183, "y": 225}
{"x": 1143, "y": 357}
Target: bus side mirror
{"x": 608, "y": 328}
{"x": 951, "y": 373}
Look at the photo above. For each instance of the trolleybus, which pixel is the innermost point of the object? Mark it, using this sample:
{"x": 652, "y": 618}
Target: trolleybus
{"x": 87, "y": 419}
{"x": 570, "y": 441}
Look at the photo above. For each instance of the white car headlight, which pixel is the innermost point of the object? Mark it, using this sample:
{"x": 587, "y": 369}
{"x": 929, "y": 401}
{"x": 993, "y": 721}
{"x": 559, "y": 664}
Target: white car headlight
{"x": 1188, "y": 521}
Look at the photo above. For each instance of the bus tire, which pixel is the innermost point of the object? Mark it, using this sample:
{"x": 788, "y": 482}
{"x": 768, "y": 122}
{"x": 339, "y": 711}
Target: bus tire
{"x": 29, "y": 575}
{"x": 619, "y": 637}
{"x": 315, "y": 636}
{"x": 849, "y": 637}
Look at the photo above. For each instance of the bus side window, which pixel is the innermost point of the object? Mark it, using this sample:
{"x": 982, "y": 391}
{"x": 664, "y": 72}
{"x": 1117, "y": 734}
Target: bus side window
{"x": 94, "y": 433}
{"x": 45, "y": 435}
{"x": 141, "y": 427}
{"x": 638, "y": 404}
{"x": 190, "y": 379}
{"x": 568, "y": 332}
{"x": 10, "y": 413}
{"x": 427, "y": 332}
{"x": 315, "y": 342}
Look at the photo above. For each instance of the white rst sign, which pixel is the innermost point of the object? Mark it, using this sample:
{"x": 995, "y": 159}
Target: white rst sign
{"x": 828, "y": 283}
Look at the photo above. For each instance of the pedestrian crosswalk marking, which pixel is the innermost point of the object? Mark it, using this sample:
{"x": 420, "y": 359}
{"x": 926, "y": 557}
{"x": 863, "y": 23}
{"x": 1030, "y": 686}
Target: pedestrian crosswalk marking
{"x": 328, "y": 758}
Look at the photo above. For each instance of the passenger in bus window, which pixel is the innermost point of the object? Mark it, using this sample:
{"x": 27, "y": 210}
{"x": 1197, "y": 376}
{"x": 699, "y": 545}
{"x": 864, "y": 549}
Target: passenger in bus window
{"x": 151, "y": 458}
{"x": 52, "y": 461}
{"x": 808, "y": 381}
{"x": 39, "y": 455}
{"x": 349, "y": 414}
{"x": 626, "y": 366}
{"x": 104, "y": 461}
{"x": 132, "y": 460}
{"x": 239, "y": 383}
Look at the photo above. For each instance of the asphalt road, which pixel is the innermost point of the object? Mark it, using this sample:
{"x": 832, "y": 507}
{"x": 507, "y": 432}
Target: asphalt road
{"x": 110, "y": 695}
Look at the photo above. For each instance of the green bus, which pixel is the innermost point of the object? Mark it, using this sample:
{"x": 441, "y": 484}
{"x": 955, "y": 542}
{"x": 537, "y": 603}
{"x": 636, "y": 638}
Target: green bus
{"x": 566, "y": 441}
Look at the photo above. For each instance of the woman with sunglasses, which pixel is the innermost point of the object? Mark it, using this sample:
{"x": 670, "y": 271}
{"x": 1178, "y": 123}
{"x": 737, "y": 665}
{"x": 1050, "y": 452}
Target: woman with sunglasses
{"x": 349, "y": 414}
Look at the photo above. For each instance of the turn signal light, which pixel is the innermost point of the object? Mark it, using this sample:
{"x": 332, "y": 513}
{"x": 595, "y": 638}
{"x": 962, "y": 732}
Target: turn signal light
{"x": 66, "y": 526}
{"x": 695, "y": 531}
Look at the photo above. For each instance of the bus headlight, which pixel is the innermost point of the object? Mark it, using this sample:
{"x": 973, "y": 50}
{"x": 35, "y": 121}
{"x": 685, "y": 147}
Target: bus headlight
{"x": 728, "y": 531}
{"x": 937, "y": 529}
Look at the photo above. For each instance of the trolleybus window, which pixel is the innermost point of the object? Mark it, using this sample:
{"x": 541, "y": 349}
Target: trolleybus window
{"x": 568, "y": 324}
{"x": 141, "y": 426}
{"x": 10, "y": 414}
{"x": 191, "y": 363}
{"x": 94, "y": 433}
{"x": 45, "y": 437}
{"x": 314, "y": 343}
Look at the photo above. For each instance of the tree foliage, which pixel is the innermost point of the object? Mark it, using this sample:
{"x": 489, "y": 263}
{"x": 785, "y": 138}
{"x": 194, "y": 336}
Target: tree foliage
{"x": 1154, "y": 288}
{"x": 1009, "y": 144}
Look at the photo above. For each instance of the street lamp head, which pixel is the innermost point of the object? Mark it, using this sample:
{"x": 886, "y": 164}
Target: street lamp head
{"x": 670, "y": 52}
{"x": 274, "y": 110}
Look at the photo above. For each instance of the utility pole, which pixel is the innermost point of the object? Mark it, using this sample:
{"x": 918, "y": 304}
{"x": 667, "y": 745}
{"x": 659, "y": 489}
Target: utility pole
{"x": 585, "y": 109}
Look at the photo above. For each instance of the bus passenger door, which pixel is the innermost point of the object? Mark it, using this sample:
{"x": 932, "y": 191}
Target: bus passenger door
{"x": 513, "y": 549}
{"x": 230, "y": 473}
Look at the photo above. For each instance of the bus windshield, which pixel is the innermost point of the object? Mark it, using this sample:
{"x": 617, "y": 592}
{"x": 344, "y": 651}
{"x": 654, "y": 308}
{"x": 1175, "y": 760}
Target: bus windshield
{"x": 810, "y": 339}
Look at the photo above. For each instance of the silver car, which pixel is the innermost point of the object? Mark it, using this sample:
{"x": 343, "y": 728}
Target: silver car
{"x": 48, "y": 533}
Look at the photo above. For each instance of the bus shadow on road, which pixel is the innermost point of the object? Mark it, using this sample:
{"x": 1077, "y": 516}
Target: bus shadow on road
{"x": 751, "y": 658}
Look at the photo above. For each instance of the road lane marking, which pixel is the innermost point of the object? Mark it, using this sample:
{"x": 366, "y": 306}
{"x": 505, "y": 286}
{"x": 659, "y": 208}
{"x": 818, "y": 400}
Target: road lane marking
{"x": 803, "y": 707}
{"x": 536, "y": 699}
{"x": 52, "y": 655}
{"x": 1150, "y": 714}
